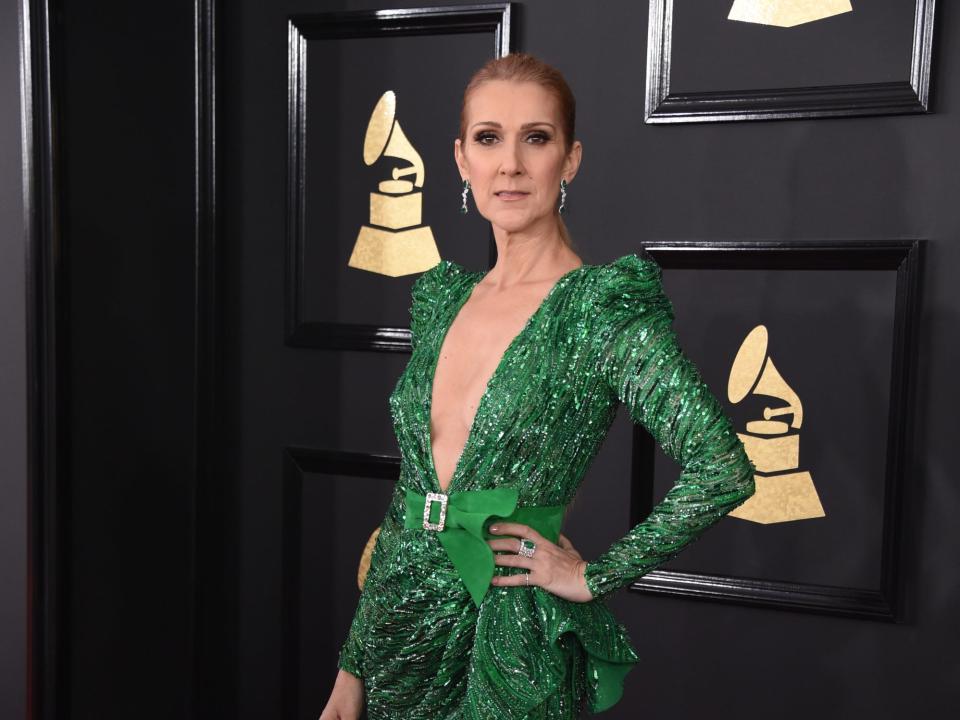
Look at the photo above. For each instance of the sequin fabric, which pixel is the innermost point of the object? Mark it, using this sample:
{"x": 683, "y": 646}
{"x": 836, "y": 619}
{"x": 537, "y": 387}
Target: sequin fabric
{"x": 602, "y": 336}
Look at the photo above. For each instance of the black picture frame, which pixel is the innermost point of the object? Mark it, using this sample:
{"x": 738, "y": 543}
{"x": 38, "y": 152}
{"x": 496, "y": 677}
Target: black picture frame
{"x": 494, "y": 18}
{"x": 883, "y": 603}
{"x": 662, "y": 106}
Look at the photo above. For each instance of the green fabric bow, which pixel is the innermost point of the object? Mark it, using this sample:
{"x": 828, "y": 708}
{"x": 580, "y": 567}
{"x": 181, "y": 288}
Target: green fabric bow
{"x": 465, "y": 534}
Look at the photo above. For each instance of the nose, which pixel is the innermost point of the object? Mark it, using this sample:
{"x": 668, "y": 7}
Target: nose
{"x": 511, "y": 163}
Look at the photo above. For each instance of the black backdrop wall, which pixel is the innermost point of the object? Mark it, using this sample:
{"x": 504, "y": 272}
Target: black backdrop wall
{"x": 181, "y": 409}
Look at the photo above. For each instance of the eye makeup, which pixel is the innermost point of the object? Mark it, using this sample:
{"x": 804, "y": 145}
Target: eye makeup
{"x": 541, "y": 136}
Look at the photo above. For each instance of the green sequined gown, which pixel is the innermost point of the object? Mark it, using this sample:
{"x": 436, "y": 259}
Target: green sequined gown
{"x": 602, "y": 336}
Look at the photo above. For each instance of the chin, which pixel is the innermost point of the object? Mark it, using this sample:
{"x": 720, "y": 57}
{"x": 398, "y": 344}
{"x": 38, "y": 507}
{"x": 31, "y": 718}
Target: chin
{"x": 512, "y": 225}
{"x": 512, "y": 221}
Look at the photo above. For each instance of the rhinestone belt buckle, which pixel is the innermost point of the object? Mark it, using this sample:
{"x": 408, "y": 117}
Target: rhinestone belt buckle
{"x": 431, "y": 497}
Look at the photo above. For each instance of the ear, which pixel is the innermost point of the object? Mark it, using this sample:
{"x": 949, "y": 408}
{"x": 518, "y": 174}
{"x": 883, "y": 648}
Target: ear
{"x": 572, "y": 162}
{"x": 460, "y": 159}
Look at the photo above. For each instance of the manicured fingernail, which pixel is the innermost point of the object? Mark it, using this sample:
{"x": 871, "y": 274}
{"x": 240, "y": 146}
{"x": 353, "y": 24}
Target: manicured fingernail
{"x": 494, "y": 528}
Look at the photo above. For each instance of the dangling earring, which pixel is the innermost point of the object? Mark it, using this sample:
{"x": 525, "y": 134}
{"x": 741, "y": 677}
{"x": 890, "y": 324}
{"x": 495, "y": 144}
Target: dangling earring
{"x": 466, "y": 189}
{"x": 563, "y": 195}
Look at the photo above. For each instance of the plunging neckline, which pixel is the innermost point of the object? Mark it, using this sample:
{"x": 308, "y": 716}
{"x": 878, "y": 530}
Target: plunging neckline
{"x": 465, "y": 296}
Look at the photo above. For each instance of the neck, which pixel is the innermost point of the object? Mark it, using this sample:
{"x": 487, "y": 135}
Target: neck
{"x": 533, "y": 254}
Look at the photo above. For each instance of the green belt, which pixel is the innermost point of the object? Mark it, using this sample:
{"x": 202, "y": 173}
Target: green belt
{"x": 464, "y": 532}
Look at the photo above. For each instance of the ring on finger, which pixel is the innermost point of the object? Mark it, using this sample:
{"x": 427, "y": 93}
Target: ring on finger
{"x": 527, "y": 547}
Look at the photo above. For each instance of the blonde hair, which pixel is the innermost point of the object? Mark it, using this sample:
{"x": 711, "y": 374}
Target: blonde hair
{"x": 524, "y": 67}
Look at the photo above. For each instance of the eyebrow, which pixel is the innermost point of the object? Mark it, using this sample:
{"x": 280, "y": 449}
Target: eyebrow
{"x": 522, "y": 127}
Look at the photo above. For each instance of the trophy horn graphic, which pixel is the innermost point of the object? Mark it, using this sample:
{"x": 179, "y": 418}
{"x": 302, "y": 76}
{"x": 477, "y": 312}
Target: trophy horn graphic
{"x": 394, "y": 243}
{"x": 786, "y": 13}
{"x": 784, "y": 492}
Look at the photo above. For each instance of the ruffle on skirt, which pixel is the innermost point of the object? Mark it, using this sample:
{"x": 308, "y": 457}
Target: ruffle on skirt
{"x": 519, "y": 659}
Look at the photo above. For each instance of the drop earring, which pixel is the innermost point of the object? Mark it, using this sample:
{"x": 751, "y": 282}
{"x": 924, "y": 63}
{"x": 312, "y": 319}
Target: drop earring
{"x": 563, "y": 195}
{"x": 463, "y": 203}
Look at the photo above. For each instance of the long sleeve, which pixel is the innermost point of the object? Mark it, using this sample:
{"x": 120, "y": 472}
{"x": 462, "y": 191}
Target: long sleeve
{"x": 352, "y": 651}
{"x": 642, "y": 363}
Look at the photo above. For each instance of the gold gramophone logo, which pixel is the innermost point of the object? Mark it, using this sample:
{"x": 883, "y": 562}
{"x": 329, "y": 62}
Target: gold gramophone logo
{"x": 394, "y": 243}
{"x": 786, "y": 13}
{"x": 784, "y": 491}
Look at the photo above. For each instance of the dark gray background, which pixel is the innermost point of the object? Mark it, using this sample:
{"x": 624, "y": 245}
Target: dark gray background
{"x": 127, "y": 138}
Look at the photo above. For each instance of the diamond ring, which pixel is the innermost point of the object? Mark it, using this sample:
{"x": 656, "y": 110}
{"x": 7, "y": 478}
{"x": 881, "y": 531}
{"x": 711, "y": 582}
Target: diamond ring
{"x": 527, "y": 547}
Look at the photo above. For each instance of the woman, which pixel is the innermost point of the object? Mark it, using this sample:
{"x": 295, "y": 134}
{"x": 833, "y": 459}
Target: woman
{"x": 474, "y": 605}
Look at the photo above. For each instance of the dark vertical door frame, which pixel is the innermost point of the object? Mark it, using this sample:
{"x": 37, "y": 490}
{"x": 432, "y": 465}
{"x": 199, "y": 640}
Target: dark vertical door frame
{"x": 212, "y": 657}
{"x": 46, "y": 434}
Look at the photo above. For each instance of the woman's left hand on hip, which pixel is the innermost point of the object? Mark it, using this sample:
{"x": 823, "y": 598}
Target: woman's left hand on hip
{"x": 556, "y": 568}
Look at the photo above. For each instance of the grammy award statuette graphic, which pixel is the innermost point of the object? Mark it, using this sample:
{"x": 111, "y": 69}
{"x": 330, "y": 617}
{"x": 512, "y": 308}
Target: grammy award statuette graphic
{"x": 784, "y": 491}
{"x": 395, "y": 242}
{"x": 786, "y": 13}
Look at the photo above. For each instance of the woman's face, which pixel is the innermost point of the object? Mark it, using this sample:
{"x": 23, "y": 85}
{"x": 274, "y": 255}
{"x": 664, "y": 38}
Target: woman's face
{"x": 514, "y": 155}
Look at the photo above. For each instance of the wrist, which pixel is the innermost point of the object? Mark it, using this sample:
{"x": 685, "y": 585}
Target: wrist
{"x": 582, "y": 573}
{"x": 348, "y": 677}
{"x": 591, "y": 581}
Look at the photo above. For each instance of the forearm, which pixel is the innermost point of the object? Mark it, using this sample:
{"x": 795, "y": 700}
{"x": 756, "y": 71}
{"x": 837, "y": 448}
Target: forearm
{"x": 352, "y": 651}
{"x": 644, "y": 367}
{"x": 699, "y": 500}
